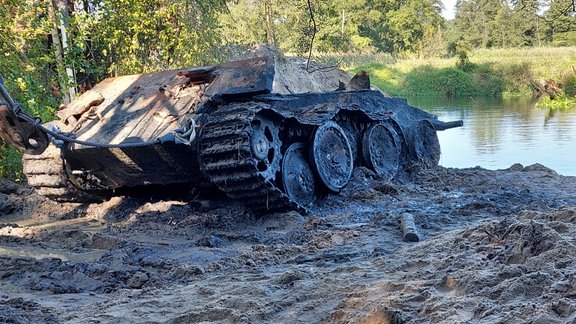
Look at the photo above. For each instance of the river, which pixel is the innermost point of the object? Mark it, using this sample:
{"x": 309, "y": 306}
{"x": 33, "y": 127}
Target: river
{"x": 498, "y": 133}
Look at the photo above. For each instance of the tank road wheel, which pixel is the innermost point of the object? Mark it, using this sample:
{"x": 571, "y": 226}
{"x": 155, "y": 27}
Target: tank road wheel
{"x": 381, "y": 150}
{"x": 297, "y": 176}
{"x": 332, "y": 156}
{"x": 424, "y": 144}
{"x": 265, "y": 146}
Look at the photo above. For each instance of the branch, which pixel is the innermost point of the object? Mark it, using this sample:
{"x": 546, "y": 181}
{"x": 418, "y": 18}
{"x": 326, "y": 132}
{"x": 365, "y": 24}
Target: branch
{"x": 313, "y": 35}
{"x": 571, "y": 7}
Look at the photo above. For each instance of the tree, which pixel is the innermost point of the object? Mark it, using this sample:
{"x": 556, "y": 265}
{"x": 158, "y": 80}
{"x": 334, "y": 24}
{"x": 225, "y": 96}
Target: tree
{"x": 500, "y": 23}
{"x": 561, "y": 19}
{"x": 341, "y": 25}
{"x": 128, "y": 36}
{"x": 58, "y": 13}
{"x": 476, "y": 21}
{"x": 27, "y": 61}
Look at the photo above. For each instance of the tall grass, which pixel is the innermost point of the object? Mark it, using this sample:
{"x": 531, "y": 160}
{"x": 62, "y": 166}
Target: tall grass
{"x": 508, "y": 72}
{"x": 349, "y": 60}
{"x": 544, "y": 62}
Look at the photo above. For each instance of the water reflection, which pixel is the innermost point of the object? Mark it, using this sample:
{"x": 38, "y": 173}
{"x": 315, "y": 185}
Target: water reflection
{"x": 498, "y": 133}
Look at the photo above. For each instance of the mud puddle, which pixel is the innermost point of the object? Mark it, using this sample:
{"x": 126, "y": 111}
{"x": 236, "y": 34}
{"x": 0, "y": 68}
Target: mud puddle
{"x": 40, "y": 253}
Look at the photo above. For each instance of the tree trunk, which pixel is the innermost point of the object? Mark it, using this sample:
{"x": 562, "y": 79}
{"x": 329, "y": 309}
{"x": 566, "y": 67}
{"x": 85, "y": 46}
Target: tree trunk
{"x": 58, "y": 11}
{"x": 269, "y": 21}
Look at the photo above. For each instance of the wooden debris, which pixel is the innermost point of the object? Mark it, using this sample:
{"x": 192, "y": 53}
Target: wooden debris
{"x": 79, "y": 106}
{"x": 409, "y": 228}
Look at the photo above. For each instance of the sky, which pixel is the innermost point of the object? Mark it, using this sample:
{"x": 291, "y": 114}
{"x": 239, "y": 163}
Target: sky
{"x": 448, "y": 12}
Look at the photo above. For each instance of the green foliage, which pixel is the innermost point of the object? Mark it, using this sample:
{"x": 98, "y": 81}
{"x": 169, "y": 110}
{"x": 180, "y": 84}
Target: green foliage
{"x": 25, "y": 64}
{"x": 135, "y": 36}
{"x": 564, "y": 39}
{"x": 515, "y": 23}
{"x": 569, "y": 84}
{"x": 429, "y": 81}
{"x": 11, "y": 163}
{"x": 351, "y": 25}
{"x": 517, "y": 78}
{"x": 493, "y": 72}
{"x": 26, "y": 61}
{"x": 558, "y": 103}
{"x": 384, "y": 76}
{"x": 105, "y": 37}
{"x": 488, "y": 81}
{"x": 464, "y": 63}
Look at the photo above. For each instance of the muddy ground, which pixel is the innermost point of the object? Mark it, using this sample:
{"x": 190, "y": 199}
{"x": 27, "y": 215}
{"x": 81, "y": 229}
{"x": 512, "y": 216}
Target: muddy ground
{"x": 498, "y": 246}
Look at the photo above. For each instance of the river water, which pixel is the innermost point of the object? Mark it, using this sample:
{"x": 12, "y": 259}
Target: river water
{"x": 498, "y": 133}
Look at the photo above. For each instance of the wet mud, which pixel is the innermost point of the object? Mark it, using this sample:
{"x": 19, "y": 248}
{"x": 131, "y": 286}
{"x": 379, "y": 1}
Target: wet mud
{"x": 497, "y": 246}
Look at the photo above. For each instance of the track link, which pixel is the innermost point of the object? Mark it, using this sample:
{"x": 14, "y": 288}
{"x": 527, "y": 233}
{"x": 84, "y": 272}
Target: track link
{"x": 46, "y": 173}
{"x": 226, "y": 158}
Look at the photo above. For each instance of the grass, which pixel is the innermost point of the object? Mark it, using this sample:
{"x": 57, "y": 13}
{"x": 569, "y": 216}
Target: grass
{"x": 491, "y": 72}
{"x": 544, "y": 62}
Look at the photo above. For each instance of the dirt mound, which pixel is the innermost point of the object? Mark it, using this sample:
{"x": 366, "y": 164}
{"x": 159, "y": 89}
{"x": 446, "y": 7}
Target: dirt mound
{"x": 510, "y": 270}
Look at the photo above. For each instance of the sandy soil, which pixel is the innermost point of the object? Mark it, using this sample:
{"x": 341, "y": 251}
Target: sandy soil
{"x": 498, "y": 246}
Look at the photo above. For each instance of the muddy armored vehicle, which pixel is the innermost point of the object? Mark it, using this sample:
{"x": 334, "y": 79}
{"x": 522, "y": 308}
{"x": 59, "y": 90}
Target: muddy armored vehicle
{"x": 245, "y": 127}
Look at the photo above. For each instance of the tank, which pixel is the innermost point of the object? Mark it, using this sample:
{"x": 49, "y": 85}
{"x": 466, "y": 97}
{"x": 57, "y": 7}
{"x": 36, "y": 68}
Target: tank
{"x": 263, "y": 131}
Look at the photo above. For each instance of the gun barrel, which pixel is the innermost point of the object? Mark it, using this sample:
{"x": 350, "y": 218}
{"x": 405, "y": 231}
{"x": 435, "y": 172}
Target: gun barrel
{"x": 440, "y": 125}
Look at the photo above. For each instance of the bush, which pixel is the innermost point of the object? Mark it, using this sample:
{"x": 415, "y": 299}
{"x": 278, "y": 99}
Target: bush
{"x": 385, "y": 77}
{"x": 487, "y": 82}
{"x": 569, "y": 84}
{"x": 464, "y": 63}
{"x": 11, "y": 163}
{"x": 452, "y": 82}
{"x": 517, "y": 78}
{"x": 558, "y": 103}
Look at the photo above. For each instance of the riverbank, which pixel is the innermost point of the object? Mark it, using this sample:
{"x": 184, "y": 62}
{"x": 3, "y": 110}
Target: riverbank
{"x": 498, "y": 246}
{"x": 483, "y": 72}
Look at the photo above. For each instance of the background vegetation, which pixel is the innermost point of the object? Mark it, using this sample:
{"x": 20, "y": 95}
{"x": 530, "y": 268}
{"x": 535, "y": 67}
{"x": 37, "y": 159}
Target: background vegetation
{"x": 52, "y": 50}
{"x": 481, "y": 72}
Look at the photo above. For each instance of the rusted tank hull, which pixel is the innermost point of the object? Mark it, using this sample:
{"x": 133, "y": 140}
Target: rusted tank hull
{"x": 237, "y": 127}
{"x": 113, "y": 168}
{"x": 172, "y": 163}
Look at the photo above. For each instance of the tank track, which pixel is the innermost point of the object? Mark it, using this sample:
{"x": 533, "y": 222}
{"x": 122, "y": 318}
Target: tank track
{"x": 226, "y": 158}
{"x": 46, "y": 173}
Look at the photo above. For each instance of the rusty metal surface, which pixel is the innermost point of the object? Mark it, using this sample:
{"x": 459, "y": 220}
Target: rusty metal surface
{"x": 247, "y": 77}
{"x": 135, "y": 108}
{"x": 316, "y": 108}
{"x": 146, "y": 106}
{"x": 243, "y": 131}
{"x": 129, "y": 167}
{"x": 17, "y": 131}
{"x": 22, "y": 135}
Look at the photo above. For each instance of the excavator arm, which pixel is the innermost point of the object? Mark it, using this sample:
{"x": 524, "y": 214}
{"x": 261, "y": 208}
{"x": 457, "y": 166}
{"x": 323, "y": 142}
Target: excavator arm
{"x": 19, "y": 129}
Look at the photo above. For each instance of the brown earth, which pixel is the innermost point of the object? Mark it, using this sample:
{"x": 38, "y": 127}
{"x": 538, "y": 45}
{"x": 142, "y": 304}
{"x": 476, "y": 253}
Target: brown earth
{"x": 499, "y": 246}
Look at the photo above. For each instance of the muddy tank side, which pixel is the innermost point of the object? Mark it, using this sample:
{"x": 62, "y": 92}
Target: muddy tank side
{"x": 223, "y": 125}
{"x": 273, "y": 152}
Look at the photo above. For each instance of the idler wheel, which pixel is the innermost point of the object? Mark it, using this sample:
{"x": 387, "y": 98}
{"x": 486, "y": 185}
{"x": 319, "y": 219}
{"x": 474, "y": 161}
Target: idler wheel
{"x": 297, "y": 176}
{"x": 265, "y": 146}
{"x": 424, "y": 145}
{"x": 381, "y": 150}
{"x": 332, "y": 156}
